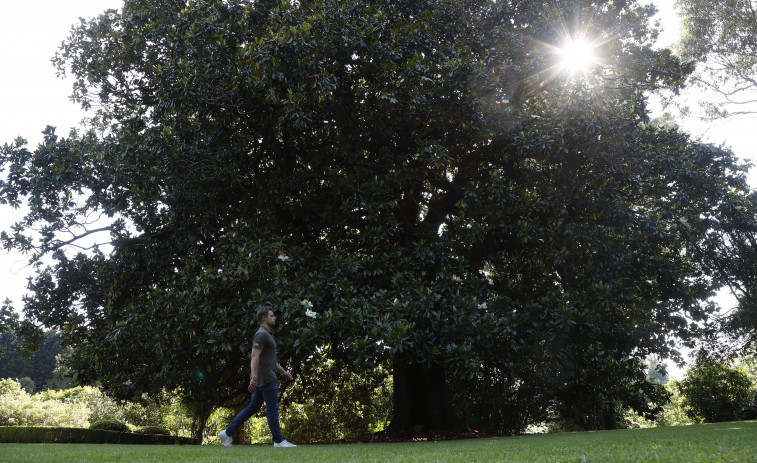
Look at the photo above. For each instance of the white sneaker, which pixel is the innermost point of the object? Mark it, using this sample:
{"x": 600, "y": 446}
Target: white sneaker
{"x": 284, "y": 443}
{"x": 225, "y": 438}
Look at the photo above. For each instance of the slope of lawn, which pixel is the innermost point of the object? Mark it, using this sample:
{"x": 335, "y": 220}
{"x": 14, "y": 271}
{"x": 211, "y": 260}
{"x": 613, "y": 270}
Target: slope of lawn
{"x": 721, "y": 442}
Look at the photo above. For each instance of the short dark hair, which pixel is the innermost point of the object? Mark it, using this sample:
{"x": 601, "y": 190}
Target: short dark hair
{"x": 262, "y": 312}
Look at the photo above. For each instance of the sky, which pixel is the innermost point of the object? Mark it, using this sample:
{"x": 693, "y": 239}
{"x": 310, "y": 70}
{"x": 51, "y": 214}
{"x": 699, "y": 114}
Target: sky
{"x": 32, "y": 96}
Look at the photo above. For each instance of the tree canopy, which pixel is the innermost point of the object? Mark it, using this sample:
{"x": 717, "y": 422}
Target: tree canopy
{"x": 719, "y": 34}
{"x": 719, "y": 37}
{"x": 411, "y": 184}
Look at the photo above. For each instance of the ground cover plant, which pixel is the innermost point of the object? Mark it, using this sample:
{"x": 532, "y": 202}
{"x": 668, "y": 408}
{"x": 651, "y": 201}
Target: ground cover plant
{"x": 725, "y": 442}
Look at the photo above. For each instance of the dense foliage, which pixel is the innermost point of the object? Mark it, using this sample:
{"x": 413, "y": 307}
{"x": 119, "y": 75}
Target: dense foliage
{"x": 414, "y": 185}
{"x": 41, "y": 367}
{"x": 714, "y": 391}
{"x": 332, "y": 401}
{"x": 355, "y": 409}
{"x": 673, "y": 413}
{"x": 19, "y": 408}
{"x": 81, "y": 406}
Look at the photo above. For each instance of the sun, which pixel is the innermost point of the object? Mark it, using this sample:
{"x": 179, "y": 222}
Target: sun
{"x": 577, "y": 56}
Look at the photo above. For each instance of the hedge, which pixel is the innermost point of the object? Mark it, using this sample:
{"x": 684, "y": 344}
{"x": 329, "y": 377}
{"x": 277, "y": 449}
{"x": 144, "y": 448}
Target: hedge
{"x": 47, "y": 435}
{"x": 153, "y": 430}
{"x": 110, "y": 425}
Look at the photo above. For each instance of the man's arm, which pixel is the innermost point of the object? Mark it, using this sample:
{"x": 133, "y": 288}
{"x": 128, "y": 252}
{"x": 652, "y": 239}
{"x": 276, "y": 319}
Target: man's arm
{"x": 283, "y": 372}
{"x": 254, "y": 370}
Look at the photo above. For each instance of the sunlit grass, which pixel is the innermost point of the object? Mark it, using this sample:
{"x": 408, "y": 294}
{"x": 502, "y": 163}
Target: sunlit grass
{"x": 723, "y": 442}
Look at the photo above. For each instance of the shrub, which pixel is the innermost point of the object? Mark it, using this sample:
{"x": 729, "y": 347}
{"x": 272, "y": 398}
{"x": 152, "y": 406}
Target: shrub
{"x": 79, "y": 406}
{"x": 148, "y": 412}
{"x": 358, "y": 406}
{"x": 98, "y": 405}
{"x": 46, "y": 435}
{"x": 712, "y": 391}
{"x": 750, "y": 411}
{"x": 673, "y": 413}
{"x": 18, "y": 408}
{"x": 27, "y": 384}
{"x": 110, "y": 425}
{"x": 257, "y": 430}
{"x": 10, "y": 386}
{"x": 155, "y": 430}
{"x": 218, "y": 420}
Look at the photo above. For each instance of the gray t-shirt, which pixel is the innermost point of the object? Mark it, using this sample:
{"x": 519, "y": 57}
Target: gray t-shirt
{"x": 264, "y": 342}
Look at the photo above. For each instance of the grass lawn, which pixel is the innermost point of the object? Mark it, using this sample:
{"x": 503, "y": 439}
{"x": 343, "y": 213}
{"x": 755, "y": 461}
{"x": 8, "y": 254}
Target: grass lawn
{"x": 721, "y": 442}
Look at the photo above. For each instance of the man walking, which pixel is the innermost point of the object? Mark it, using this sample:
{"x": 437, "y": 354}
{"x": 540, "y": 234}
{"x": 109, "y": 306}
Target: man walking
{"x": 263, "y": 384}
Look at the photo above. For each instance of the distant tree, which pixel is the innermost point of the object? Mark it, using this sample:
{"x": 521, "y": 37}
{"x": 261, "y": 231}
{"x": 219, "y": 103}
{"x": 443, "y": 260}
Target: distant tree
{"x": 658, "y": 373}
{"x": 414, "y": 185}
{"x": 740, "y": 324}
{"x": 8, "y": 318}
{"x": 713, "y": 391}
{"x": 39, "y": 366}
{"x": 748, "y": 364}
{"x": 743, "y": 321}
{"x": 28, "y": 384}
{"x": 719, "y": 35}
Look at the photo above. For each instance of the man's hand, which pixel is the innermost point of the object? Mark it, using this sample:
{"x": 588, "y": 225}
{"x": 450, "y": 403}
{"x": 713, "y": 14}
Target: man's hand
{"x": 283, "y": 372}
{"x": 253, "y": 385}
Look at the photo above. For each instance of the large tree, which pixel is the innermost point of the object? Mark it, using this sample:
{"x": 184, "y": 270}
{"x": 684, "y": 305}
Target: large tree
{"x": 413, "y": 184}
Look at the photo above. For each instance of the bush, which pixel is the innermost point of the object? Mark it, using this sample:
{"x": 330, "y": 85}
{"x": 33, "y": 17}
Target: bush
{"x": 175, "y": 417}
{"x": 750, "y": 411}
{"x": 673, "y": 413}
{"x": 150, "y": 412}
{"x": 79, "y": 406}
{"x": 110, "y": 425}
{"x": 358, "y": 405}
{"x": 316, "y": 410}
{"x": 218, "y": 420}
{"x": 155, "y": 430}
{"x": 47, "y": 435}
{"x": 98, "y": 405}
{"x": 147, "y": 412}
{"x": 27, "y": 384}
{"x": 713, "y": 392}
{"x": 18, "y": 408}
{"x": 10, "y": 386}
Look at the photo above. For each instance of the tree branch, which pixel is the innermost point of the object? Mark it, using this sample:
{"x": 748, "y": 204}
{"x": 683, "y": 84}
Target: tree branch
{"x": 57, "y": 244}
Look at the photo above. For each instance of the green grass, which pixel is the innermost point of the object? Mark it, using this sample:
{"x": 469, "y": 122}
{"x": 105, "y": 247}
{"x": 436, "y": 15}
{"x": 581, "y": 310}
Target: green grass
{"x": 722, "y": 442}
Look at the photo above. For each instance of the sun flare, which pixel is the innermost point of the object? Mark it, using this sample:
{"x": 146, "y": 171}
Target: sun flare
{"x": 577, "y": 56}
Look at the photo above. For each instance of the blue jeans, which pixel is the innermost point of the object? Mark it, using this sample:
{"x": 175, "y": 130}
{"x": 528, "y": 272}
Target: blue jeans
{"x": 270, "y": 395}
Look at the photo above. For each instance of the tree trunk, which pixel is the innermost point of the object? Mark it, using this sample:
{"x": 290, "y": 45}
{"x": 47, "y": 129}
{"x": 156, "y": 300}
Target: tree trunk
{"x": 200, "y": 413}
{"x": 198, "y": 426}
{"x": 421, "y": 400}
